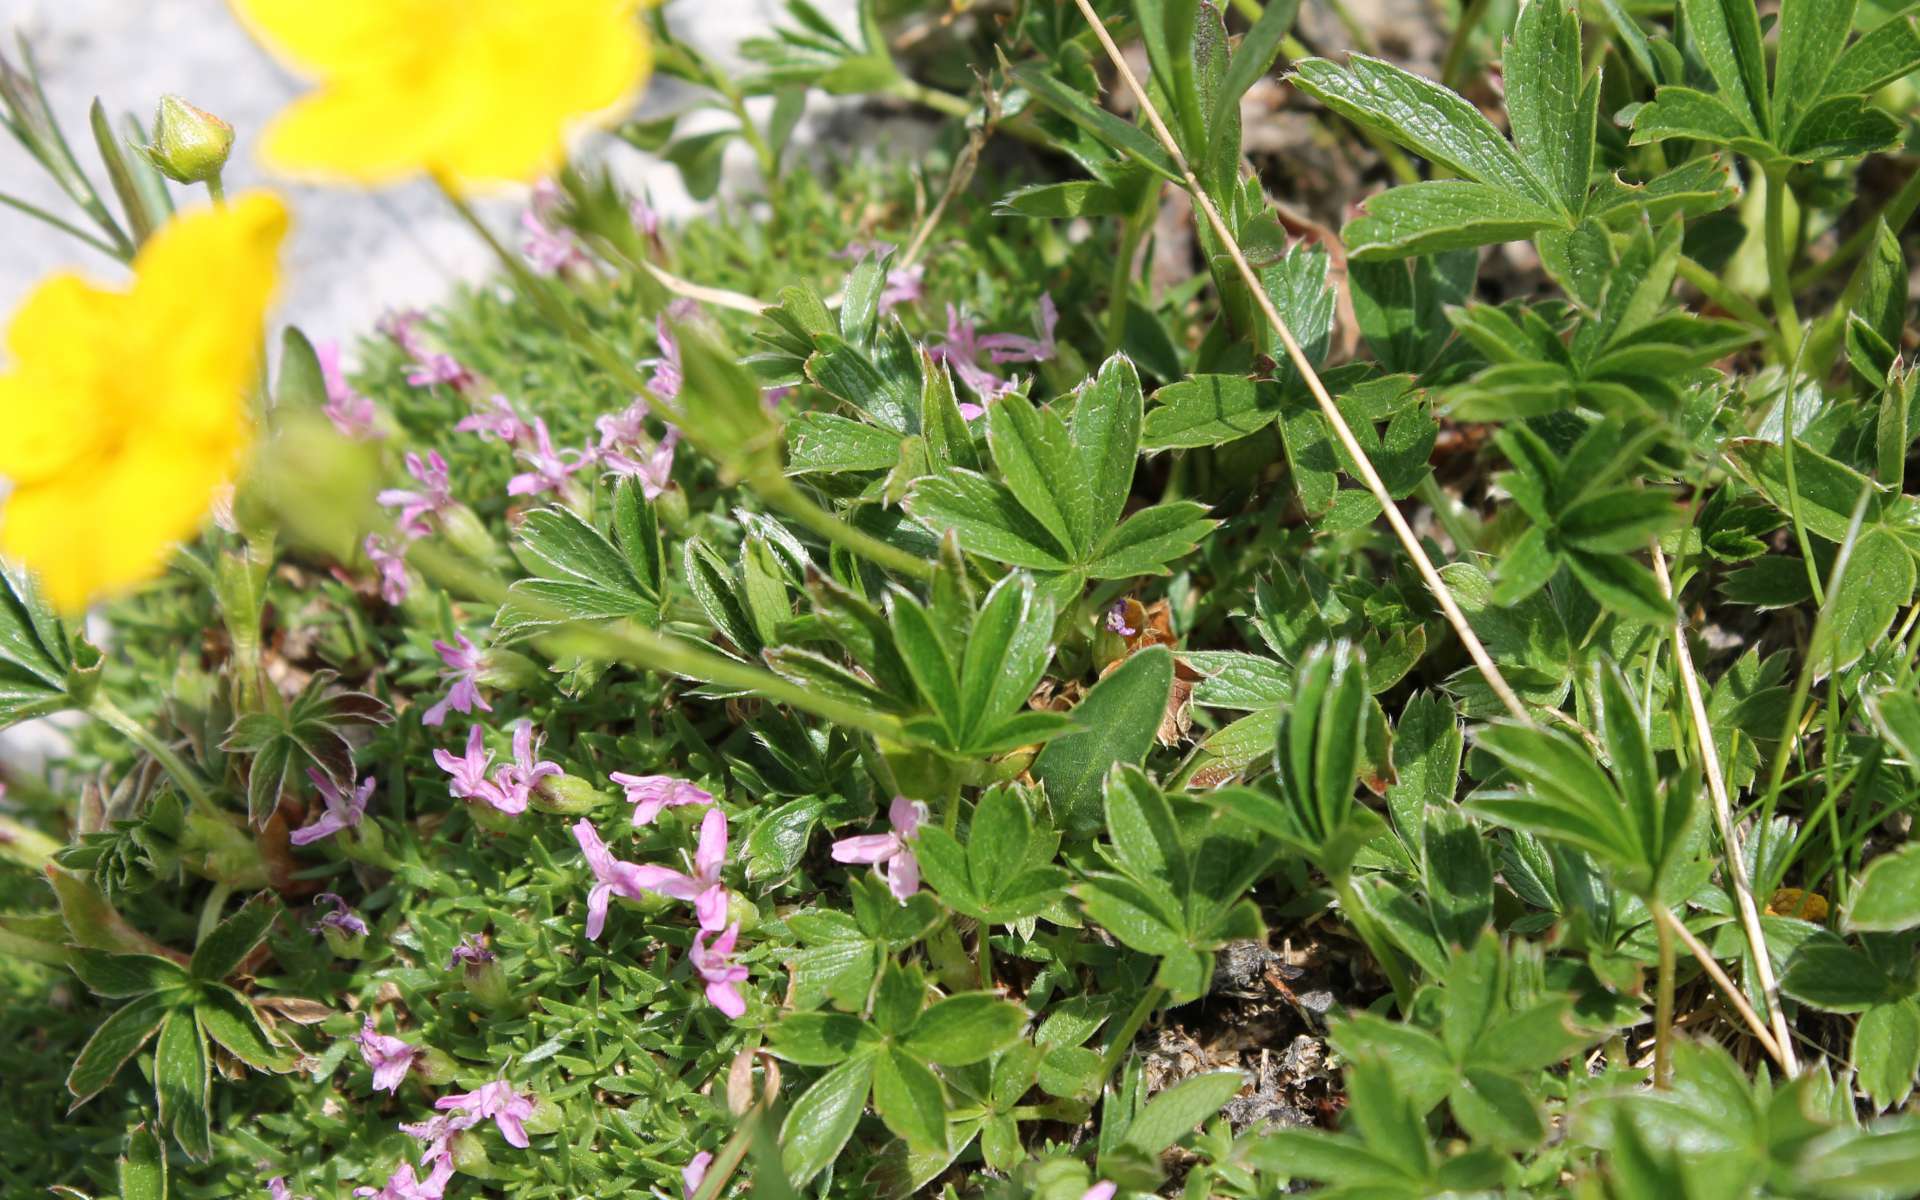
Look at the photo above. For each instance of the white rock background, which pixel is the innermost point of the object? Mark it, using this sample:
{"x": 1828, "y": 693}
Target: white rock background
{"x": 353, "y": 253}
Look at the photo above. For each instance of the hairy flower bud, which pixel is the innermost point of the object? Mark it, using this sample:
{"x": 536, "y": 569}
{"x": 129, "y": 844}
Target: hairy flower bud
{"x": 190, "y": 145}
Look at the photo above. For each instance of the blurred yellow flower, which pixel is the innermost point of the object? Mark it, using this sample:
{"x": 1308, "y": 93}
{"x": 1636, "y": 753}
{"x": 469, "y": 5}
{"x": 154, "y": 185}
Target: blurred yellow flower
{"x": 124, "y": 411}
{"x": 475, "y": 89}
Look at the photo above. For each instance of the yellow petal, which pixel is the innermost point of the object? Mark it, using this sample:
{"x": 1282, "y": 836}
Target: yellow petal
{"x": 51, "y": 402}
{"x": 343, "y": 37}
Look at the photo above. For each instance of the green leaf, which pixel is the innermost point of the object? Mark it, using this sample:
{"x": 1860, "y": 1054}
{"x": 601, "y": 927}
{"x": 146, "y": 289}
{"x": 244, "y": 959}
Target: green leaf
{"x": 1498, "y": 1111}
{"x": 1104, "y": 435}
{"x": 1887, "y": 898}
{"x": 823, "y": 1118}
{"x": 227, "y": 944}
{"x": 301, "y": 384}
{"x": 121, "y": 975}
{"x": 1141, "y": 919}
{"x": 1210, "y": 410}
{"x": 114, "y": 1041}
{"x": 1881, "y": 55}
{"x": 1727, "y": 35}
{"x": 1827, "y": 490}
{"x": 1425, "y": 117}
{"x": 1621, "y": 585}
{"x": 230, "y": 1019}
{"x": 909, "y": 1099}
{"x": 821, "y": 1039}
{"x": 1060, "y": 201}
{"x": 928, "y": 655}
{"x": 827, "y": 442}
{"x": 1426, "y": 762}
{"x": 1437, "y": 215}
{"x": 968, "y": 1028}
{"x": 1118, "y": 718}
{"x": 1106, "y": 128}
{"x": 1552, "y": 117}
{"x": 1006, "y": 654}
{"x": 1036, "y": 462}
{"x": 1147, "y": 541}
{"x": 1886, "y": 1052}
{"x": 1827, "y": 973}
{"x": 587, "y": 577}
{"x": 1878, "y": 582}
{"x": 143, "y": 1168}
{"x": 1400, "y": 307}
{"x": 181, "y": 1079}
{"x": 719, "y": 595}
{"x": 1811, "y": 34}
{"x": 988, "y": 519}
{"x": 1175, "y": 1112}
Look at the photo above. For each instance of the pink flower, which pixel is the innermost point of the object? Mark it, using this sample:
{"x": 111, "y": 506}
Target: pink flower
{"x": 498, "y": 1100}
{"x": 403, "y": 1184}
{"x": 549, "y": 245}
{"x": 277, "y": 1189}
{"x": 437, "y": 1132}
{"x": 961, "y": 350}
{"x": 703, "y": 887}
{"x": 430, "y": 367}
{"x": 904, "y": 286}
{"x": 341, "y": 918}
{"x": 515, "y": 781}
{"x": 649, "y": 794}
{"x": 389, "y": 1057}
{"x": 626, "y": 450}
{"x": 612, "y": 877}
{"x": 1117, "y": 620}
{"x": 694, "y": 1174}
{"x": 494, "y": 417}
{"x": 469, "y": 771}
{"x": 464, "y": 662}
{"x": 1011, "y": 347}
{"x": 550, "y": 467}
{"x": 351, "y": 413}
{"x": 714, "y": 964}
{"x": 391, "y": 563}
{"x": 471, "y": 950}
{"x": 343, "y": 809}
{"x": 666, "y": 369}
{"x": 890, "y": 851}
{"x": 435, "y": 498}
{"x": 1104, "y": 1190}
{"x": 645, "y": 218}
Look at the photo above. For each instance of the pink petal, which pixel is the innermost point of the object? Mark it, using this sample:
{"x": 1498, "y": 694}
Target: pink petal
{"x": 866, "y": 848}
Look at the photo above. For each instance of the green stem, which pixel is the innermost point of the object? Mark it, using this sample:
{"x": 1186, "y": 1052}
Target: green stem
{"x": 1123, "y": 1037}
{"x": 1780, "y": 263}
{"x": 1470, "y": 19}
{"x": 1663, "y": 1005}
{"x": 1793, "y": 488}
{"x": 1713, "y": 288}
{"x": 25, "y": 847}
{"x": 184, "y": 777}
{"x": 939, "y": 101}
{"x": 780, "y": 492}
{"x": 1120, "y": 284}
{"x": 1896, "y": 213}
{"x": 983, "y": 953}
{"x": 66, "y": 227}
{"x": 1451, "y": 516}
{"x": 1383, "y": 953}
{"x": 217, "y": 188}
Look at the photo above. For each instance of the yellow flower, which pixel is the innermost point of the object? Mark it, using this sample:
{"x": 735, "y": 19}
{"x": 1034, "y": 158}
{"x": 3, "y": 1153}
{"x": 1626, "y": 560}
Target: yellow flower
{"x": 124, "y": 411}
{"x": 475, "y": 89}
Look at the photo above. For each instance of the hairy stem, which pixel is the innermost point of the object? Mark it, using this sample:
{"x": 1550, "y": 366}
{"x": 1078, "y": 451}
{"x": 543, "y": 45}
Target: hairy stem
{"x": 184, "y": 777}
{"x": 1780, "y": 263}
{"x": 1663, "y": 1002}
{"x": 1470, "y": 19}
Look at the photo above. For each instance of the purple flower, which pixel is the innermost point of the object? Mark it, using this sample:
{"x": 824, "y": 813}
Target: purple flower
{"x": 714, "y": 964}
{"x": 961, "y": 350}
{"x": 694, "y": 1174}
{"x": 703, "y": 887}
{"x": 343, "y": 810}
{"x": 612, "y": 877}
{"x": 351, "y": 413}
{"x": 494, "y": 417}
{"x": 667, "y": 378}
{"x": 649, "y": 794}
{"x": 341, "y": 918}
{"x": 549, "y": 245}
{"x": 392, "y": 565}
{"x": 550, "y": 467}
{"x": 498, "y": 1100}
{"x": 437, "y": 1132}
{"x": 471, "y": 950}
{"x": 435, "y": 498}
{"x": 645, "y": 218}
{"x": 277, "y": 1189}
{"x": 403, "y": 1184}
{"x": 464, "y": 662}
{"x": 389, "y": 1057}
{"x": 890, "y": 851}
{"x": 1104, "y": 1190}
{"x": 626, "y": 450}
{"x": 1011, "y": 347}
{"x": 904, "y": 286}
{"x": 514, "y": 782}
{"x": 430, "y": 367}
{"x": 1117, "y": 619}
{"x": 469, "y": 771}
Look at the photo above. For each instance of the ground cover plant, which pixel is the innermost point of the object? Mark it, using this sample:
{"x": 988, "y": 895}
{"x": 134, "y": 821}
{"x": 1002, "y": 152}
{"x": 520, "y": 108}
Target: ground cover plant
{"x": 1081, "y": 666}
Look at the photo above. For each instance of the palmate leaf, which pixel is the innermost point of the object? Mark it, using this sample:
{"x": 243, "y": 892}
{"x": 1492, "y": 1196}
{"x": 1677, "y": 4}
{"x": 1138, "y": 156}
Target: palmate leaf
{"x": 585, "y": 575}
{"x": 308, "y": 733}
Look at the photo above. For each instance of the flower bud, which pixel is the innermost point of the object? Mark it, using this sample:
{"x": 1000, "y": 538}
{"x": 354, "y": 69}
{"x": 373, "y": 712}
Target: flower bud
{"x": 190, "y": 145}
{"x": 468, "y": 534}
{"x": 547, "y": 1117}
{"x": 469, "y": 1153}
{"x": 742, "y": 912}
{"x": 342, "y": 943}
{"x": 568, "y": 795}
{"x": 487, "y": 983}
{"x": 511, "y": 671}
